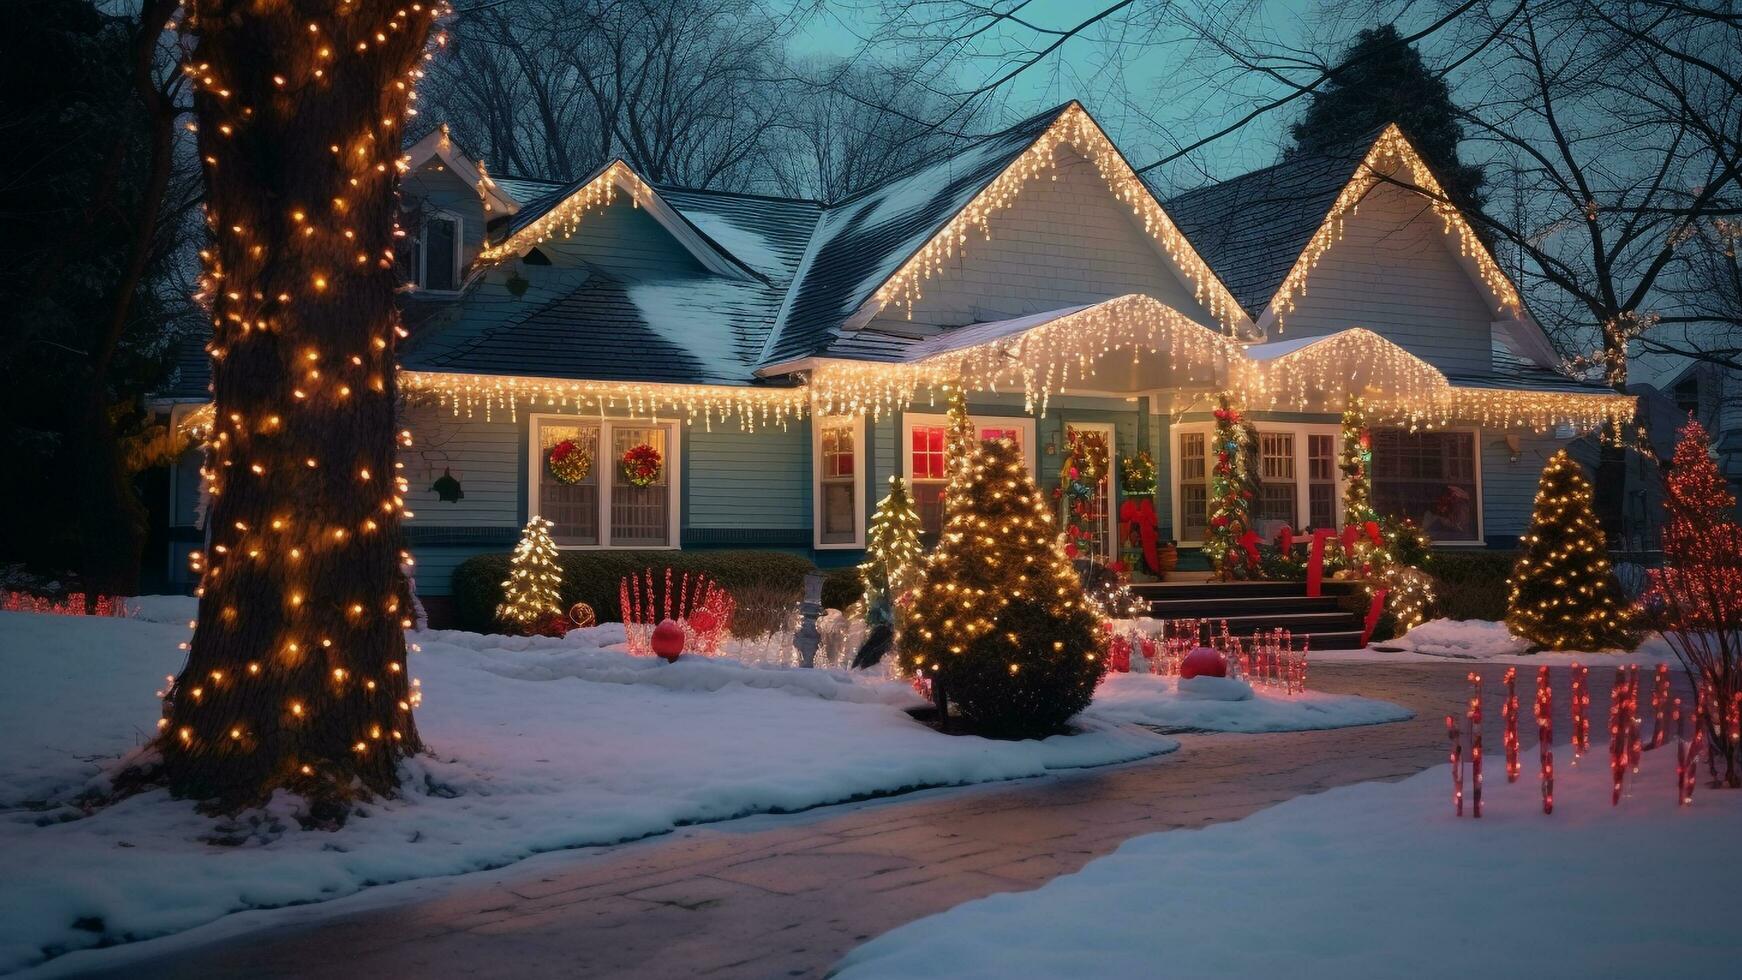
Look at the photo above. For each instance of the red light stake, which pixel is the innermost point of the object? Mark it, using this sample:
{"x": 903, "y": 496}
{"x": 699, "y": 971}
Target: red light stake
{"x": 1545, "y": 736}
{"x": 1509, "y": 714}
{"x": 1475, "y": 714}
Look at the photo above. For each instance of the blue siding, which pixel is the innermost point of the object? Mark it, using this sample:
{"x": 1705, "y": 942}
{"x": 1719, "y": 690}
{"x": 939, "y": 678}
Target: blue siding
{"x": 738, "y": 479}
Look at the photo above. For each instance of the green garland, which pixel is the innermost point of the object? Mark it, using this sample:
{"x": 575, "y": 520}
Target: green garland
{"x": 1357, "y": 465}
{"x": 1233, "y": 486}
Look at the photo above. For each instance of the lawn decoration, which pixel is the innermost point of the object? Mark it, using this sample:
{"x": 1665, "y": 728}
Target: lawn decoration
{"x": 1474, "y": 714}
{"x": 569, "y": 461}
{"x": 1270, "y": 658}
{"x": 1203, "y": 662}
{"x": 72, "y": 604}
{"x": 1457, "y": 758}
{"x": 529, "y": 595}
{"x": 1545, "y": 736}
{"x": 1581, "y": 706}
{"x": 667, "y": 640}
{"x": 641, "y": 465}
{"x": 1509, "y": 723}
{"x": 582, "y": 615}
{"x": 1564, "y": 595}
{"x": 696, "y": 605}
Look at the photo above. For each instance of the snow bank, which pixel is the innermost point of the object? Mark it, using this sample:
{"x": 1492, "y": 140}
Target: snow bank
{"x": 536, "y": 745}
{"x": 1147, "y": 699}
{"x": 1375, "y": 880}
{"x": 1481, "y": 639}
{"x": 1466, "y": 639}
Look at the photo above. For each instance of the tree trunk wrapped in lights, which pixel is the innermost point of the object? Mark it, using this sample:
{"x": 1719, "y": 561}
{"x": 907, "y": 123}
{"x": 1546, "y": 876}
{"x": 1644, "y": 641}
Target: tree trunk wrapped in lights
{"x": 296, "y": 675}
{"x": 1233, "y": 487}
{"x": 998, "y": 615}
{"x": 530, "y": 596}
{"x": 1697, "y": 595}
{"x": 1564, "y": 595}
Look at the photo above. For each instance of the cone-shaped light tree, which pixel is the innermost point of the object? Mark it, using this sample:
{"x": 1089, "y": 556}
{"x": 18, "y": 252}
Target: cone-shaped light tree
{"x": 998, "y": 616}
{"x": 892, "y": 552}
{"x": 530, "y": 594}
{"x": 1564, "y": 595}
{"x": 1698, "y": 593}
{"x": 296, "y": 673}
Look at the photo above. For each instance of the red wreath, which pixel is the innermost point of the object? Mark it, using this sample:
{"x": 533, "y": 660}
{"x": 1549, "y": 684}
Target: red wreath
{"x": 641, "y": 465}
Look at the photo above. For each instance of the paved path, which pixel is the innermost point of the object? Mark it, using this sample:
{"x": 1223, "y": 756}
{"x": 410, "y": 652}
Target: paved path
{"x": 788, "y": 896}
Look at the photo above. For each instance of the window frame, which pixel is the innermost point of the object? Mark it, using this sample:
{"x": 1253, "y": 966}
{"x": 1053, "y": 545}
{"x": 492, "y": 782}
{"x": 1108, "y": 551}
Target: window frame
{"x": 607, "y": 426}
{"x": 1475, "y": 435}
{"x": 818, "y": 424}
{"x": 912, "y": 420}
{"x": 1301, "y": 432}
{"x": 422, "y": 271}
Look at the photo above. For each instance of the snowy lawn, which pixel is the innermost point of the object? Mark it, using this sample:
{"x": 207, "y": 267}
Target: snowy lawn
{"x": 1377, "y": 880}
{"x": 1481, "y": 639}
{"x": 1148, "y": 699}
{"x": 536, "y": 745}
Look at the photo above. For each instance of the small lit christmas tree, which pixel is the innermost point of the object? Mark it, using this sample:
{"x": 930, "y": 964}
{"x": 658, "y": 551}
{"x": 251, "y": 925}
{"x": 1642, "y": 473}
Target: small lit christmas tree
{"x": 1564, "y": 595}
{"x": 892, "y": 554}
{"x": 1698, "y": 593}
{"x": 529, "y": 597}
{"x": 1357, "y": 465}
{"x": 997, "y": 618}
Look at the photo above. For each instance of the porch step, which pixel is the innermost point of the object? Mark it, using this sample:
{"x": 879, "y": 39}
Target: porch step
{"x": 1233, "y": 590}
{"x": 1251, "y": 607}
{"x": 1171, "y": 608}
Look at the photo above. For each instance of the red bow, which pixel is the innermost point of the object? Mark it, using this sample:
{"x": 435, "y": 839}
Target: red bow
{"x": 1285, "y": 540}
{"x": 1137, "y": 518}
{"x": 1249, "y": 541}
{"x": 1316, "y": 564}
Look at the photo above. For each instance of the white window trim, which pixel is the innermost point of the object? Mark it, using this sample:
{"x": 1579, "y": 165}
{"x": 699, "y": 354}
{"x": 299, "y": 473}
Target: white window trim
{"x": 910, "y": 420}
{"x": 859, "y": 468}
{"x": 459, "y": 221}
{"x": 1302, "y": 465}
{"x": 606, "y": 466}
{"x": 1475, "y": 435}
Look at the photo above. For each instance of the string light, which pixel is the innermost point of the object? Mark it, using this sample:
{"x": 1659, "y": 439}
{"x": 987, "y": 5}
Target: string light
{"x": 1390, "y": 151}
{"x": 564, "y": 219}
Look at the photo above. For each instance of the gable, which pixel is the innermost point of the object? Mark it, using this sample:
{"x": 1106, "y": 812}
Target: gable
{"x": 1393, "y": 270}
{"x": 435, "y": 187}
{"x": 1062, "y": 242}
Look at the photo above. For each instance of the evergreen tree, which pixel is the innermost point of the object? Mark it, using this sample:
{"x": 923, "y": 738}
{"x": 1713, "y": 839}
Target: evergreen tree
{"x": 997, "y": 616}
{"x": 530, "y": 594}
{"x": 1388, "y": 83}
{"x": 1564, "y": 595}
{"x": 892, "y": 553}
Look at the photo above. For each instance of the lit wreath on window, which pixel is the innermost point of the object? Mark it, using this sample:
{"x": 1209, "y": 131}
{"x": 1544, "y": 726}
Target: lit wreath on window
{"x": 641, "y": 465}
{"x": 569, "y": 462}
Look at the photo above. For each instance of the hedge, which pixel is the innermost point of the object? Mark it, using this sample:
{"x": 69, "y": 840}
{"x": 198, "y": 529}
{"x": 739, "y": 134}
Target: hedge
{"x": 841, "y": 587}
{"x": 1472, "y": 583}
{"x": 593, "y": 577}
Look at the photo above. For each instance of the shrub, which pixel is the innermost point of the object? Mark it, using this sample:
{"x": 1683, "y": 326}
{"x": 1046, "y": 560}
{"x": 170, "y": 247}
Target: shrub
{"x": 593, "y": 577}
{"x": 1472, "y": 583}
{"x": 842, "y": 587}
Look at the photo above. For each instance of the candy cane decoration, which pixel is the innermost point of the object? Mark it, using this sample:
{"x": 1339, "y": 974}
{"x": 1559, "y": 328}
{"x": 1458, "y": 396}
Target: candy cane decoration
{"x": 1581, "y": 712}
{"x": 1691, "y": 771}
{"x": 1457, "y": 766}
{"x": 1475, "y": 714}
{"x": 1545, "y": 736}
{"x": 1509, "y": 716}
{"x": 1617, "y": 738}
{"x": 1659, "y": 703}
{"x": 1635, "y": 722}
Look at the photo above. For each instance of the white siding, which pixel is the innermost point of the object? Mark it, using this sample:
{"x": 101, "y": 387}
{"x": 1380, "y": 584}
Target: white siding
{"x": 1063, "y": 242}
{"x": 1395, "y": 273}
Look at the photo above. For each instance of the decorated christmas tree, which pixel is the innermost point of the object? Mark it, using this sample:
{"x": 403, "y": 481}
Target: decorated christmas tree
{"x": 1564, "y": 595}
{"x": 892, "y": 554}
{"x": 997, "y": 618}
{"x": 1356, "y": 463}
{"x": 1697, "y": 594}
{"x": 1231, "y": 544}
{"x": 529, "y": 597}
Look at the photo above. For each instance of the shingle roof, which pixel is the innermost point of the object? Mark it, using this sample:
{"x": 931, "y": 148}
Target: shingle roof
{"x": 1252, "y": 228}
{"x": 861, "y": 241}
{"x": 1513, "y": 372}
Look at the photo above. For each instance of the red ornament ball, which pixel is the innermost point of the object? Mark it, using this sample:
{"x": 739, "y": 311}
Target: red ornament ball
{"x": 1203, "y": 662}
{"x": 668, "y": 639}
{"x": 703, "y": 620}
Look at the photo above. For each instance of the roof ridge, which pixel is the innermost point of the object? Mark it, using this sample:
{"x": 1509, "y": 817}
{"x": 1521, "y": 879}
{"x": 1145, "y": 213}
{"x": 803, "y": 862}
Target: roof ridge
{"x": 753, "y": 195}
{"x": 917, "y": 165}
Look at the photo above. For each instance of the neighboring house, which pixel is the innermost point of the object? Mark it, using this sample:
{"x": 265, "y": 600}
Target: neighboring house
{"x": 786, "y": 357}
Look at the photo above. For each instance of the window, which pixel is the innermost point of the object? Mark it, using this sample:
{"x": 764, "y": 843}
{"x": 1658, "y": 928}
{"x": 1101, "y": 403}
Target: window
{"x": 436, "y": 258}
{"x": 604, "y": 506}
{"x": 1194, "y": 489}
{"x": 1276, "y": 484}
{"x": 1430, "y": 478}
{"x": 837, "y": 450}
{"x": 1321, "y": 481}
{"x": 923, "y": 461}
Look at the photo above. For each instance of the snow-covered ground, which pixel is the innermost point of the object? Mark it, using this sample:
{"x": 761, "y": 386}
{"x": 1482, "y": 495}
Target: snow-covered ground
{"x": 537, "y": 745}
{"x": 1148, "y": 699}
{"x": 1481, "y": 639}
{"x": 1377, "y": 880}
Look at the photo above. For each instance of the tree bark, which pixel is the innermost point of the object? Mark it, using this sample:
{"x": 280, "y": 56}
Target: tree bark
{"x": 296, "y": 675}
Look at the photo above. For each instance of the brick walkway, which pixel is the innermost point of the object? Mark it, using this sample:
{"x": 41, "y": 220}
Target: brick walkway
{"x": 788, "y": 896}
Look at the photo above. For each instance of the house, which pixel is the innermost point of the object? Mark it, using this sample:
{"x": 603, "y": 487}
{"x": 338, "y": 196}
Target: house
{"x": 783, "y": 358}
